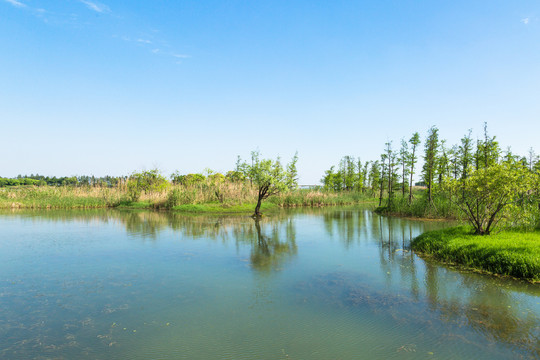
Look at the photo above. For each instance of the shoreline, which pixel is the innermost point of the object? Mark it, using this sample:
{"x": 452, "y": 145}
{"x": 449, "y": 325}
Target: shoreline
{"x": 512, "y": 253}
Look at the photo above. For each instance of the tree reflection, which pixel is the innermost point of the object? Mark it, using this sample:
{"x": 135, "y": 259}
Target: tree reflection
{"x": 271, "y": 241}
{"x": 420, "y": 292}
{"x": 269, "y": 252}
{"x": 461, "y": 299}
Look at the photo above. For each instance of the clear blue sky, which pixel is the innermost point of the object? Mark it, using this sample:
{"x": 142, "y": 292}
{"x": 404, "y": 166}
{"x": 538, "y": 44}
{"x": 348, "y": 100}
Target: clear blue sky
{"x": 109, "y": 87}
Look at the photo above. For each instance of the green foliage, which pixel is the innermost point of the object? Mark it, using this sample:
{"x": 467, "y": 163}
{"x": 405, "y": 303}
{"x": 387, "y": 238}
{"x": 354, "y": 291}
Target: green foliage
{"x": 431, "y": 148}
{"x": 235, "y": 176}
{"x": 486, "y": 195}
{"x": 189, "y": 179}
{"x": 333, "y": 180}
{"x": 511, "y": 253}
{"x": 192, "y": 179}
{"x": 54, "y": 197}
{"x": 292, "y": 173}
{"x": 220, "y": 209}
{"x": 147, "y": 181}
{"x": 304, "y": 197}
{"x": 268, "y": 176}
{"x": 350, "y": 175}
{"x": 374, "y": 176}
{"x": 414, "y": 141}
{"x": 40, "y": 180}
{"x": 216, "y": 178}
{"x": 174, "y": 198}
{"x": 465, "y": 155}
{"x": 487, "y": 151}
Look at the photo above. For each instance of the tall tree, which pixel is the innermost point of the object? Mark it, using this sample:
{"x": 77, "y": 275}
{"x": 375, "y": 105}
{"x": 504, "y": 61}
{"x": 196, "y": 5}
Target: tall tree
{"x": 360, "y": 176}
{"x": 374, "y": 176}
{"x": 292, "y": 173}
{"x": 465, "y": 154}
{"x": 442, "y": 163}
{"x": 382, "y": 177}
{"x": 532, "y": 159}
{"x": 489, "y": 150}
{"x": 348, "y": 167}
{"x": 453, "y": 161}
{"x": 404, "y": 157}
{"x": 365, "y": 175}
{"x": 268, "y": 176}
{"x": 431, "y": 147}
{"x": 391, "y": 172}
{"x": 414, "y": 141}
{"x": 328, "y": 179}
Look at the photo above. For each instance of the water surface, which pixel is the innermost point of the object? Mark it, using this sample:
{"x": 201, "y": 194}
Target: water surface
{"x": 332, "y": 283}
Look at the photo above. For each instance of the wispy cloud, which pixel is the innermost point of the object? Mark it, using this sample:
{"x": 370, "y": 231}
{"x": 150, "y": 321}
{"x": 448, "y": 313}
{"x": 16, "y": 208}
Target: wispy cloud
{"x": 100, "y": 8}
{"x": 147, "y": 40}
{"x": 525, "y": 20}
{"x": 150, "y": 43}
{"x": 16, "y": 3}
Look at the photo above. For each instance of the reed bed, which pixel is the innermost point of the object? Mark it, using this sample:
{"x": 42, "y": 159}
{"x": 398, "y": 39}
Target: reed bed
{"x": 64, "y": 197}
{"x": 204, "y": 196}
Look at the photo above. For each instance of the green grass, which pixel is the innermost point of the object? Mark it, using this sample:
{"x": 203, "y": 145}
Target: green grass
{"x": 126, "y": 204}
{"x": 52, "y": 198}
{"x": 222, "y": 208}
{"x": 513, "y": 253}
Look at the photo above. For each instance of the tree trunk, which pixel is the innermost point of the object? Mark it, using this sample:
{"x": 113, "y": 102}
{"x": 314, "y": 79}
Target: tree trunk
{"x": 263, "y": 190}
{"x": 258, "y": 208}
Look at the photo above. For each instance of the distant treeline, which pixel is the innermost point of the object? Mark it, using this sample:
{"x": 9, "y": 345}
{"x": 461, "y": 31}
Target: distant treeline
{"x": 112, "y": 181}
{"x": 40, "y": 180}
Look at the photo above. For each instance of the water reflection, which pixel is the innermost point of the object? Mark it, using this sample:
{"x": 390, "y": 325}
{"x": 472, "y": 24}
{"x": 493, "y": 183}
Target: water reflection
{"x": 457, "y": 297}
{"x": 272, "y": 240}
{"x": 390, "y": 281}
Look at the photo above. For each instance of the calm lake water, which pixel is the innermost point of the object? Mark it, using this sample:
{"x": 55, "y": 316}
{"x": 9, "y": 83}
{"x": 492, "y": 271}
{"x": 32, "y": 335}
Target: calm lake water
{"x": 332, "y": 283}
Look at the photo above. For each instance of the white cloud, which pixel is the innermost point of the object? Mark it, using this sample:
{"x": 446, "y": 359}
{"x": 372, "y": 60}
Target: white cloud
{"x": 95, "y": 6}
{"x": 16, "y": 3}
{"x": 155, "y": 51}
{"x": 181, "y": 56}
{"x": 144, "y": 41}
{"x": 525, "y": 20}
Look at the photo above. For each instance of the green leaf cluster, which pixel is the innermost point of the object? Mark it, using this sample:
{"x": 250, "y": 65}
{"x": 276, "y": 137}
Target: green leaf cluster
{"x": 147, "y": 181}
{"x": 488, "y": 195}
{"x": 269, "y": 176}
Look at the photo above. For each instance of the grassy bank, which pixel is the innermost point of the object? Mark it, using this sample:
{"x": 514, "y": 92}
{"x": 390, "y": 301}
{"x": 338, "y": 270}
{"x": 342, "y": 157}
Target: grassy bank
{"x": 206, "y": 197}
{"x": 512, "y": 253}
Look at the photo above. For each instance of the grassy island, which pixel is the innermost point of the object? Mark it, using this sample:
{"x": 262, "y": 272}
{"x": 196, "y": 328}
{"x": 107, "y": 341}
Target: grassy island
{"x": 514, "y": 253}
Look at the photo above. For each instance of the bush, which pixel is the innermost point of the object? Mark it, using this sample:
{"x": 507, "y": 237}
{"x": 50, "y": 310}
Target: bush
{"x": 147, "y": 182}
{"x": 173, "y": 199}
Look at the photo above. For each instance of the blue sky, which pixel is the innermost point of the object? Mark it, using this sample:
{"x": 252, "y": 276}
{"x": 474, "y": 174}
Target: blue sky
{"x": 111, "y": 87}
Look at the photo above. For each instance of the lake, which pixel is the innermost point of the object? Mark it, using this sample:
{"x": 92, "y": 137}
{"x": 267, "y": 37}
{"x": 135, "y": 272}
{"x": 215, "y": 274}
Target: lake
{"x": 323, "y": 283}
